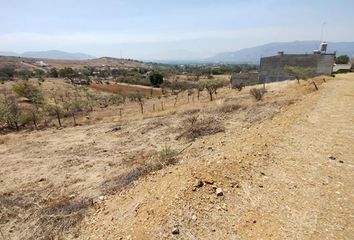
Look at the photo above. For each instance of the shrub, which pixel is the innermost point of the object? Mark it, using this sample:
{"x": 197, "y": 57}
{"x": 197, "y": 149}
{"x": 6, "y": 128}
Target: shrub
{"x": 67, "y": 72}
{"x": 53, "y": 72}
{"x": 156, "y": 79}
{"x": 25, "y": 74}
{"x": 165, "y": 157}
{"x": 29, "y": 91}
{"x": 10, "y": 112}
{"x": 7, "y": 73}
{"x": 257, "y": 93}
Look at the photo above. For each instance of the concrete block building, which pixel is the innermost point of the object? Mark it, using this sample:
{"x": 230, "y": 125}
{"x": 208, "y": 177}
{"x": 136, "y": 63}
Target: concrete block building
{"x": 273, "y": 68}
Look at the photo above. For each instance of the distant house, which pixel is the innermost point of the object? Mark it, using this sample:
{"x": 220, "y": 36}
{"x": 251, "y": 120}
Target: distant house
{"x": 273, "y": 68}
{"x": 41, "y": 64}
{"x": 147, "y": 74}
{"x": 342, "y": 67}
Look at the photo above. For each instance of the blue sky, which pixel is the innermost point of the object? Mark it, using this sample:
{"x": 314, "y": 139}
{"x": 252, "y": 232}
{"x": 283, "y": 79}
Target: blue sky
{"x": 158, "y": 29}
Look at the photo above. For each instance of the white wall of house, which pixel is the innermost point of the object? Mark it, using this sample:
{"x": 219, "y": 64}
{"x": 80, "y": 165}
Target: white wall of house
{"x": 338, "y": 67}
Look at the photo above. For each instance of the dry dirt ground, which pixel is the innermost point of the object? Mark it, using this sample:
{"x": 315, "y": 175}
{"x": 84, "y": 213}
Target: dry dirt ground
{"x": 285, "y": 167}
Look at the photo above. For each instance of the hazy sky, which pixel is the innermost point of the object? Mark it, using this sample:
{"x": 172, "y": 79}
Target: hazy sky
{"x": 162, "y": 29}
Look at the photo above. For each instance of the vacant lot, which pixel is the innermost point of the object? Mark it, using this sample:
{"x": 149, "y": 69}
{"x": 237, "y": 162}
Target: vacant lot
{"x": 284, "y": 165}
{"x": 123, "y": 88}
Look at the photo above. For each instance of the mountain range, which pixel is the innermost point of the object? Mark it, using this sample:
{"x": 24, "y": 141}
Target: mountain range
{"x": 247, "y": 55}
{"x": 51, "y": 54}
{"x": 253, "y": 55}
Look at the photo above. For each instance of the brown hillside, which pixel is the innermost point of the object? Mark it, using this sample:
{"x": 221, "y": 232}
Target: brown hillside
{"x": 234, "y": 168}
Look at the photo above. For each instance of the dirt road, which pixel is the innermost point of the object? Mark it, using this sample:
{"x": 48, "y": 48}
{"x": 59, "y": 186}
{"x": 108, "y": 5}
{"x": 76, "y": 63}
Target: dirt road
{"x": 288, "y": 177}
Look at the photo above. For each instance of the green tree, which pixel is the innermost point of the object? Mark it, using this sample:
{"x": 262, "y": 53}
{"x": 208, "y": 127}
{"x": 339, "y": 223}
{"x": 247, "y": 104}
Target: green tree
{"x": 39, "y": 73}
{"x": 10, "y": 112}
{"x": 343, "y": 59}
{"x": 53, "y": 73}
{"x": 67, "y": 72}
{"x": 299, "y": 73}
{"x": 29, "y": 91}
{"x": 24, "y": 74}
{"x": 74, "y": 107}
{"x": 7, "y": 73}
{"x": 156, "y": 79}
{"x": 211, "y": 85}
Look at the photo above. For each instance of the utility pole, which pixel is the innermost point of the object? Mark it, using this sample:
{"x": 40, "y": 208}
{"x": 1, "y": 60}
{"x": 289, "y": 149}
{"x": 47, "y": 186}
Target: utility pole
{"x": 322, "y": 31}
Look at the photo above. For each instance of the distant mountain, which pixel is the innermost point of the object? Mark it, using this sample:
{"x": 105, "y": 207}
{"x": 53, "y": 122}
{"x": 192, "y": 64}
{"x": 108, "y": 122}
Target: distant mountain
{"x": 9, "y": 54}
{"x": 253, "y": 55}
{"x": 51, "y": 54}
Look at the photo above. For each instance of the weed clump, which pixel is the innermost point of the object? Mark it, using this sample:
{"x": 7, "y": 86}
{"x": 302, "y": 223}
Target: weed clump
{"x": 165, "y": 157}
{"x": 257, "y": 93}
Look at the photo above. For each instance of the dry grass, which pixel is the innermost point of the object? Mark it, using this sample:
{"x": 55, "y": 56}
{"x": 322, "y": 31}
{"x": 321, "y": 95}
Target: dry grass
{"x": 60, "y": 217}
{"x": 101, "y": 149}
{"x": 125, "y": 89}
{"x": 51, "y": 219}
{"x": 4, "y": 139}
{"x": 12, "y": 205}
{"x": 229, "y": 108}
{"x": 121, "y": 182}
{"x": 195, "y": 126}
{"x": 191, "y": 111}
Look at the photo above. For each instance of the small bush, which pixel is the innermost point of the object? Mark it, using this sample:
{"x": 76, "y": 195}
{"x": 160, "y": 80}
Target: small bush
{"x": 167, "y": 156}
{"x": 153, "y": 164}
{"x": 28, "y": 90}
{"x": 257, "y": 93}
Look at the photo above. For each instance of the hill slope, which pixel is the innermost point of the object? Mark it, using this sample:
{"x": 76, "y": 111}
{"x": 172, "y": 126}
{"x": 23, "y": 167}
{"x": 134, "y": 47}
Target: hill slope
{"x": 25, "y": 63}
{"x": 278, "y": 181}
{"x": 252, "y": 55}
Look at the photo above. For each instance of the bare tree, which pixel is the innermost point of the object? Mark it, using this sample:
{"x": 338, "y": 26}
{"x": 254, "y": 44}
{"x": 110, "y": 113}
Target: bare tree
{"x": 139, "y": 98}
{"x": 55, "y": 110}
